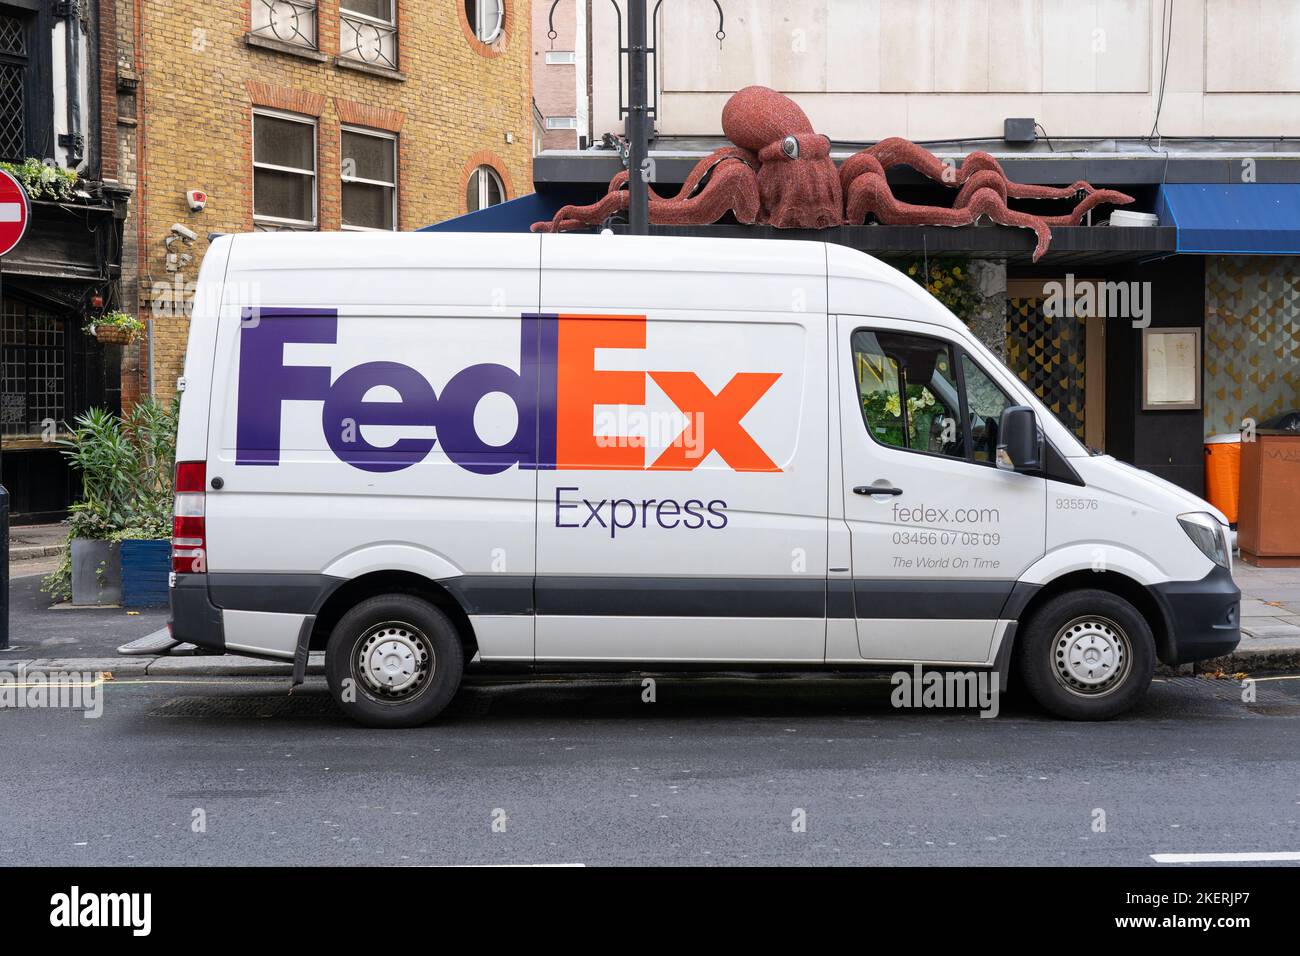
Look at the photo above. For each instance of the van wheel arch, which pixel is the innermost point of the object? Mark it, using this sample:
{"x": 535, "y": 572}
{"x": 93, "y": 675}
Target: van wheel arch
{"x": 1121, "y": 585}
{"x": 350, "y": 593}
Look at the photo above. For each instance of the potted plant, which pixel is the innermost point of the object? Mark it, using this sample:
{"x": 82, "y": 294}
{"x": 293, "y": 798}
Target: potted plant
{"x": 115, "y": 328}
{"x": 150, "y": 430}
{"x": 44, "y": 180}
{"x": 91, "y": 570}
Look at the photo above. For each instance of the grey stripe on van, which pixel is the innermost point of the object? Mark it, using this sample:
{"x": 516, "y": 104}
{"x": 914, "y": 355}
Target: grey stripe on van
{"x": 660, "y": 596}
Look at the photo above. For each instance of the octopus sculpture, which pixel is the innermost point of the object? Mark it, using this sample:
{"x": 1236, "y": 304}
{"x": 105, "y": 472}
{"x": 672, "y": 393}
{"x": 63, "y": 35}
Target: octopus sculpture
{"x": 779, "y": 172}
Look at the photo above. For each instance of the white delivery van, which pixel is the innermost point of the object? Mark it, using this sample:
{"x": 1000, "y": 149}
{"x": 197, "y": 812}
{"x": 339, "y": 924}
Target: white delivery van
{"x": 420, "y": 452}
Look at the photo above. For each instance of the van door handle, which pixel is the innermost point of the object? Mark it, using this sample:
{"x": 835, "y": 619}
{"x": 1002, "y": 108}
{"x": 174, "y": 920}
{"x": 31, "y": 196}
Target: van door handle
{"x": 877, "y": 490}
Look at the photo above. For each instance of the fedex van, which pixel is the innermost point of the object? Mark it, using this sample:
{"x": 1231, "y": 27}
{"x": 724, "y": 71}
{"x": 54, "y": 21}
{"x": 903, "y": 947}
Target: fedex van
{"x": 425, "y": 452}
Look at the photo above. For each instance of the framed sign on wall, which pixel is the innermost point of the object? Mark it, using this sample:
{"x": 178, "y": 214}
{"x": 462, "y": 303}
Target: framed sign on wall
{"x": 1171, "y": 369}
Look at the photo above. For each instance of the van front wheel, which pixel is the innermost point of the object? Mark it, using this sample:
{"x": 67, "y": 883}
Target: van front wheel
{"x": 1087, "y": 655}
{"x": 394, "y": 661}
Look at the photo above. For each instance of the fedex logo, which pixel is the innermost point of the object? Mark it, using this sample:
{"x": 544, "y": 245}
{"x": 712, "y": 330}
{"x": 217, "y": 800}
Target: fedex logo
{"x": 555, "y": 393}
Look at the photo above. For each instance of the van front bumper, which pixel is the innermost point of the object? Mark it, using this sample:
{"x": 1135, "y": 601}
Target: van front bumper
{"x": 195, "y": 618}
{"x": 1203, "y": 617}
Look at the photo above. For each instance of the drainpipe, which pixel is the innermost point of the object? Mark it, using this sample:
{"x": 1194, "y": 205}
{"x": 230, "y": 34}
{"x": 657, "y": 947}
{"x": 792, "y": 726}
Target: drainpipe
{"x": 69, "y": 11}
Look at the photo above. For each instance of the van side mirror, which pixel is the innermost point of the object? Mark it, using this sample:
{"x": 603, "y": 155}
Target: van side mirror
{"x": 1020, "y": 443}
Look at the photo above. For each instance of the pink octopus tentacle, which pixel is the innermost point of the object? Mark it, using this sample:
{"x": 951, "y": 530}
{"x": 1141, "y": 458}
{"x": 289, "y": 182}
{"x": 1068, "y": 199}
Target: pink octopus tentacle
{"x": 896, "y": 151}
{"x": 617, "y": 198}
{"x": 871, "y": 194}
{"x": 1092, "y": 200}
{"x": 732, "y": 188}
{"x": 987, "y": 202}
{"x": 577, "y": 217}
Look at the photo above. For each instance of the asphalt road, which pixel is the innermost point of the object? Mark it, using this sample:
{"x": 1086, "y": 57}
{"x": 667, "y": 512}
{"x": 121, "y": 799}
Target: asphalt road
{"x": 712, "y": 773}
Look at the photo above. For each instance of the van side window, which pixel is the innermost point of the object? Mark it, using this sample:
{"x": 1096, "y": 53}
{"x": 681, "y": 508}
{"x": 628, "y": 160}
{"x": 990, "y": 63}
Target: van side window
{"x": 907, "y": 385}
{"x": 986, "y": 401}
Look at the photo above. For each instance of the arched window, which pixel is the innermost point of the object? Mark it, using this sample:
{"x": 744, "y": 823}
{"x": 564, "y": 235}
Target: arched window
{"x": 485, "y": 18}
{"x": 483, "y": 189}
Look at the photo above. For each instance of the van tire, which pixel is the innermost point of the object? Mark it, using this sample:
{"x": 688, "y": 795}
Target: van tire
{"x": 1073, "y": 648}
{"x": 378, "y": 661}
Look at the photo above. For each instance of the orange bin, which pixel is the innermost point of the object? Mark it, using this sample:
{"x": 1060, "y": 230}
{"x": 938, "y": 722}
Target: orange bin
{"x": 1223, "y": 473}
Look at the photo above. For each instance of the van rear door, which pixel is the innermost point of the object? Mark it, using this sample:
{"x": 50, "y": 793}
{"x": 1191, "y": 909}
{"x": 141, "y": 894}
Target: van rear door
{"x": 939, "y": 533}
{"x": 371, "y": 413}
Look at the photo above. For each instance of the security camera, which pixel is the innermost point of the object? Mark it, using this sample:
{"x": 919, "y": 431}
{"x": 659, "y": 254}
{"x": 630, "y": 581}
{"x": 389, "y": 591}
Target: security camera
{"x": 189, "y": 235}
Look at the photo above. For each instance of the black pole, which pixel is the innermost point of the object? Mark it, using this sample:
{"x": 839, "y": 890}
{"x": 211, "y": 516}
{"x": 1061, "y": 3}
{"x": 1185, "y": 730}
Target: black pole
{"x": 637, "y": 122}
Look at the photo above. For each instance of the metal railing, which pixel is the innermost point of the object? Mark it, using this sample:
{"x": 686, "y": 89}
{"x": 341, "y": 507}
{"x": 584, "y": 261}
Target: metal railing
{"x": 290, "y": 21}
{"x": 368, "y": 40}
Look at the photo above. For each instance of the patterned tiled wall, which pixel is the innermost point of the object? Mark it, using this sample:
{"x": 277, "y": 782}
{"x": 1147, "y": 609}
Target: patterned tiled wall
{"x": 1252, "y": 339}
{"x": 1047, "y": 352}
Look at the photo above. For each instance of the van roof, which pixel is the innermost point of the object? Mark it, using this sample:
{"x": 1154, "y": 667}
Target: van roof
{"x": 856, "y": 283}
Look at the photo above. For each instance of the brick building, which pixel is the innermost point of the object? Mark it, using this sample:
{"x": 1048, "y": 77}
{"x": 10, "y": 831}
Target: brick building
{"x": 560, "y": 71}
{"x": 294, "y": 114}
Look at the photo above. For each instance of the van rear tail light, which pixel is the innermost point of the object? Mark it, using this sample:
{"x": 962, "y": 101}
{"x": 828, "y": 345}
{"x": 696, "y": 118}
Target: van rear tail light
{"x": 189, "y": 532}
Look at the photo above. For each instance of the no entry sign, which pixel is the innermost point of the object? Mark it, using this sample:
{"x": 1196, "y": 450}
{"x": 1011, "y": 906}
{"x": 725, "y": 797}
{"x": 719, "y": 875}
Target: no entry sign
{"x": 14, "y": 212}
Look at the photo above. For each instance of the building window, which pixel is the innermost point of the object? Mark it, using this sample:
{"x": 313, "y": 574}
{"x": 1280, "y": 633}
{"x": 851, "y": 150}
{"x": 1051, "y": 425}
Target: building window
{"x": 485, "y": 18}
{"x": 561, "y": 122}
{"x": 369, "y": 180}
{"x": 284, "y": 171}
{"x": 484, "y": 189}
{"x": 560, "y": 58}
{"x": 368, "y": 32}
{"x": 33, "y": 363}
{"x": 290, "y": 21}
{"x": 13, "y": 69}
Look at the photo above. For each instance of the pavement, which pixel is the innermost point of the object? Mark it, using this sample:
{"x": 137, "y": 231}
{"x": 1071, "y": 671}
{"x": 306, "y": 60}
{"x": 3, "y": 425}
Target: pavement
{"x": 31, "y": 542}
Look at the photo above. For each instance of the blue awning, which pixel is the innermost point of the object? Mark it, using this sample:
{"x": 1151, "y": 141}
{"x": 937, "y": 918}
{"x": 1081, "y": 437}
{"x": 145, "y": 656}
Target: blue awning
{"x": 1247, "y": 218}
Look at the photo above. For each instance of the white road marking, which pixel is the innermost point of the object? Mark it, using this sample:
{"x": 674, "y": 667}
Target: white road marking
{"x": 1266, "y": 857}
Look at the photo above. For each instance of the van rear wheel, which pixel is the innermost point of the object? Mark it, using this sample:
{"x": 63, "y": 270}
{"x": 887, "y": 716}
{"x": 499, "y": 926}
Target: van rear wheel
{"x": 394, "y": 660}
{"x": 1087, "y": 655}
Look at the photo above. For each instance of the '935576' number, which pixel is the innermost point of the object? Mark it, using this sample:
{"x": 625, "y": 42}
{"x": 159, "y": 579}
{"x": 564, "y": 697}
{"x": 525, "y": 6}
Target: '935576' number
{"x": 1076, "y": 504}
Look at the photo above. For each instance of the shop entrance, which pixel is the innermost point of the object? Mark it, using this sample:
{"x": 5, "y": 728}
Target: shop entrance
{"x": 1061, "y": 356}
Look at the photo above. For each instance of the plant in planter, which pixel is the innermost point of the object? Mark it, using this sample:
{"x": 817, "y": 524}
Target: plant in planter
{"x": 91, "y": 570}
{"x": 119, "y": 533}
{"x": 150, "y": 429}
{"x": 114, "y": 328}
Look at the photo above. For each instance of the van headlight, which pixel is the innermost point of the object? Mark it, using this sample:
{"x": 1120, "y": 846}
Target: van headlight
{"x": 1207, "y": 534}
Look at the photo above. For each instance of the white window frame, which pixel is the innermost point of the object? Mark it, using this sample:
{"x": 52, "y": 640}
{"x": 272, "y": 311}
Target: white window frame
{"x": 477, "y": 26}
{"x": 314, "y": 123}
{"x": 259, "y": 17}
{"x": 561, "y": 58}
{"x": 394, "y": 185}
{"x": 482, "y": 186}
{"x": 561, "y": 122}
{"x": 390, "y": 32}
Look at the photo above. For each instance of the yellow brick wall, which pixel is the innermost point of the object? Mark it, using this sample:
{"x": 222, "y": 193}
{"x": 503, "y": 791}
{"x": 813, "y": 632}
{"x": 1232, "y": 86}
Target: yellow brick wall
{"x": 199, "y": 80}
